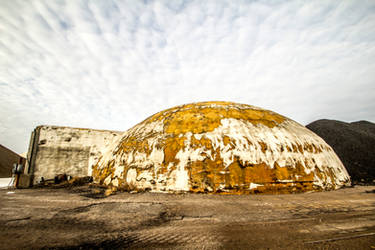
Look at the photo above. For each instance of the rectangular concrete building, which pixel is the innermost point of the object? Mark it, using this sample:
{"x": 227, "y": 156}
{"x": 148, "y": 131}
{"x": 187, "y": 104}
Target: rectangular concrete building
{"x": 55, "y": 150}
{"x": 7, "y": 159}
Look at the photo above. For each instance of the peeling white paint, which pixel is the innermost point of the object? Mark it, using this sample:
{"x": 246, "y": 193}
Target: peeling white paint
{"x": 115, "y": 182}
{"x": 182, "y": 177}
{"x": 246, "y": 142}
{"x": 107, "y": 180}
{"x": 131, "y": 176}
{"x": 254, "y": 186}
{"x": 118, "y": 171}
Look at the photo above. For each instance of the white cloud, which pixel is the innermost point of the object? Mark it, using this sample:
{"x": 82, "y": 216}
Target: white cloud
{"x": 111, "y": 64}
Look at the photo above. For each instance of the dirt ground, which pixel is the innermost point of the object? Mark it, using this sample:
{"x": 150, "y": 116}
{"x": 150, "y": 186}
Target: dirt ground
{"x": 83, "y": 218}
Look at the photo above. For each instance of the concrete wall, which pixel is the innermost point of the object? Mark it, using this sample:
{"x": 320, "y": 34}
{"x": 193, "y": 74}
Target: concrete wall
{"x": 7, "y": 159}
{"x": 57, "y": 150}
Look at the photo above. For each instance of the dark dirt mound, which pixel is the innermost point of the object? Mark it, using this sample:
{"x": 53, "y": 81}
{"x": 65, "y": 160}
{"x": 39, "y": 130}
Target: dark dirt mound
{"x": 354, "y": 143}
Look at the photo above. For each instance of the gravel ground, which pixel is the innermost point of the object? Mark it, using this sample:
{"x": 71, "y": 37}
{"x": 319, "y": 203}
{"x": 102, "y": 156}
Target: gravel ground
{"x": 83, "y": 217}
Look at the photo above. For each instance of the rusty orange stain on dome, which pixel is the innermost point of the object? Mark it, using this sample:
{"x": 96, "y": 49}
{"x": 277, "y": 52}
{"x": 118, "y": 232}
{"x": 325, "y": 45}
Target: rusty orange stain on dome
{"x": 183, "y": 148}
{"x": 201, "y": 117}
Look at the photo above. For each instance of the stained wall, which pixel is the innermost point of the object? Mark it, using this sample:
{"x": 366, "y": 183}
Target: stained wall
{"x": 57, "y": 150}
{"x": 7, "y": 159}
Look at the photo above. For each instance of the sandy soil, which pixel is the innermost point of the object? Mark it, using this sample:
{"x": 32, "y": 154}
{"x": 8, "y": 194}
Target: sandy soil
{"x": 82, "y": 217}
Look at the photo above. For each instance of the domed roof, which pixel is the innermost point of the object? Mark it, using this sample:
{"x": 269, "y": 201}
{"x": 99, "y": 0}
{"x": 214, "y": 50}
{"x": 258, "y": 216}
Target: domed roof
{"x": 220, "y": 147}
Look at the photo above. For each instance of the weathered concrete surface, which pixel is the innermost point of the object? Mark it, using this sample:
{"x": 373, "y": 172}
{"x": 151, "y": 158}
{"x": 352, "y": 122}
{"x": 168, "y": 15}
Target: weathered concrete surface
{"x": 51, "y": 218}
{"x": 221, "y": 147}
{"x": 7, "y": 159}
{"x": 4, "y": 182}
{"x": 56, "y": 150}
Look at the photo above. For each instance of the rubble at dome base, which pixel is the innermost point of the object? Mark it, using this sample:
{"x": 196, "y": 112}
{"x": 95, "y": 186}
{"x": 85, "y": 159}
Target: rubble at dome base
{"x": 220, "y": 147}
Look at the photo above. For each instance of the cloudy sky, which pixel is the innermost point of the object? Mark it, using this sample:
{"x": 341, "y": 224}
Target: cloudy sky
{"x": 111, "y": 64}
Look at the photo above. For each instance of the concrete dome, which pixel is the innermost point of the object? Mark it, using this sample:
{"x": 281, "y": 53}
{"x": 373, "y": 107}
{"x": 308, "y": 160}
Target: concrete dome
{"x": 221, "y": 147}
